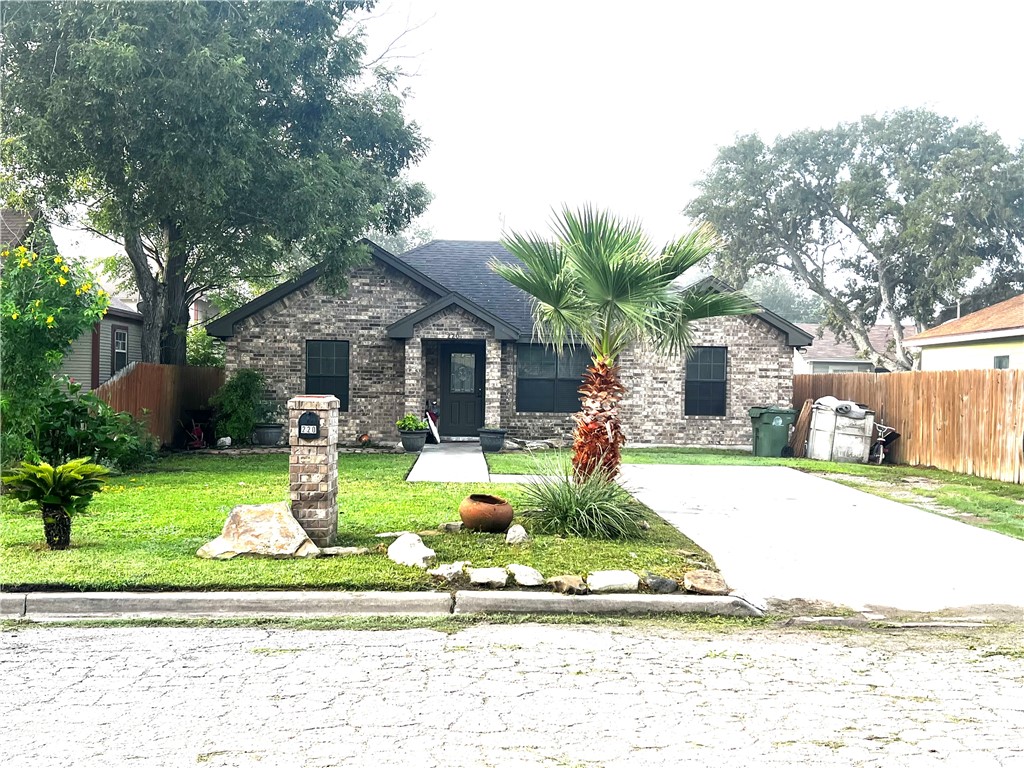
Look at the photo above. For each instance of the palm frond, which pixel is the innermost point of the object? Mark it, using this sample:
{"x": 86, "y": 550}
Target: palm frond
{"x": 671, "y": 322}
{"x": 689, "y": 251}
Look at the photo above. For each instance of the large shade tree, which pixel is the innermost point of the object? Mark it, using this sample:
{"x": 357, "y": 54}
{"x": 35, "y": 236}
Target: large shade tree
{"x": 600, "y": 282}
{"x": 217, "y": 141}
{"x": 888, "y": 219}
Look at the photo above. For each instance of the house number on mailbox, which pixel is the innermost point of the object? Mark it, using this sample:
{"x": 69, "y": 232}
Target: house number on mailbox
{"x": 309, "y": 426}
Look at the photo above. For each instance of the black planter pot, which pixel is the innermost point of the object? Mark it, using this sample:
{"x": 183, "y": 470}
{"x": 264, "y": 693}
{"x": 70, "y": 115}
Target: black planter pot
{"x": 413, "y": 440}
{"x": 491, "y": 440}
{"x": 268, "y": 434}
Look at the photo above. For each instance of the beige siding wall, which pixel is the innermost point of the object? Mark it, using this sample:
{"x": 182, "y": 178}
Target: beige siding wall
{"x": 78, "y": 363}
{"x": 961, "y": 357}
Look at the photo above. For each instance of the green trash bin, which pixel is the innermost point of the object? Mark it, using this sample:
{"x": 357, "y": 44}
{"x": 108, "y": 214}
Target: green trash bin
{"x": 771, "y": 429}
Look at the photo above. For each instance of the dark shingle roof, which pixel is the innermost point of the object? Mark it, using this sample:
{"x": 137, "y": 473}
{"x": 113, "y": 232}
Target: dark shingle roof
{"x": 828, "y": 347}
{"x": 462, "y": 266}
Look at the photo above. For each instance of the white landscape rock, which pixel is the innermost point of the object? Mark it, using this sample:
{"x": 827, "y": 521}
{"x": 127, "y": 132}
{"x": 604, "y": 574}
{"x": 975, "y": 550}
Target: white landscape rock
{"x": 449, "y": 571}
{"x": 263, "y": 530}
{"x": 516, "y": 535}
{"x": 613, "y": 581}
{"x": 488, "y": 577}
{"x": 526, "y": 576}
{"x": 409, "y": 549}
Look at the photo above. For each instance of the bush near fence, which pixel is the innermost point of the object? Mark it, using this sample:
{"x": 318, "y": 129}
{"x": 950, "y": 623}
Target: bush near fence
{"x": 159, "y": 395}
{"x": 970, "y": 422}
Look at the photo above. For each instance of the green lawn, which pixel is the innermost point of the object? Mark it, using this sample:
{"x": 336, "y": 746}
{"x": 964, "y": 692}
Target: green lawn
{"x": 985, "y": 503}
{"x": 143, "y": 530}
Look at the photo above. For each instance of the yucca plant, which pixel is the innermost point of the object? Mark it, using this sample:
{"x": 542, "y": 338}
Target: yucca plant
{"x": 600, "y": 282}
{"x": 59, "y": 491}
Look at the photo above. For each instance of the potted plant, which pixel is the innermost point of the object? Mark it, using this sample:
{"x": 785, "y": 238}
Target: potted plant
{"x": 270, "y": 421}
{"x": 492, "y": 439}
{"x": 59, "y": 492}
{"x": 413, "y": 430}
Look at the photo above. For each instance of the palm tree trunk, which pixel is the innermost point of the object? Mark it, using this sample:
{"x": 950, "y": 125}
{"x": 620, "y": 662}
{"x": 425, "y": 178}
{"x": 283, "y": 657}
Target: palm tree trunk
{"x": 597, "y": 440}
{"x": 56, "y": 527}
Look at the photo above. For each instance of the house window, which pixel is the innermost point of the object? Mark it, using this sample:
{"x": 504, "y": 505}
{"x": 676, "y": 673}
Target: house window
{"x": 327, "y": 369}
{"x": 1002, "y": 362}
{"x": 547, "y": 382}
{"x": 705, "y": 382}
{"x": 119, "y": 348}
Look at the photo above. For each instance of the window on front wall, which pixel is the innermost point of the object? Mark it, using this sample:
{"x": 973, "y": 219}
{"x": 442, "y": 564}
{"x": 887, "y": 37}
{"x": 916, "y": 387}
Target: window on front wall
{"x": 327, "y": 369}
{"x": 119, "y": 348}
{"x": 1001, "y": 362}
{"x": 547, "y": 382}
{"x": 705, "y": 382}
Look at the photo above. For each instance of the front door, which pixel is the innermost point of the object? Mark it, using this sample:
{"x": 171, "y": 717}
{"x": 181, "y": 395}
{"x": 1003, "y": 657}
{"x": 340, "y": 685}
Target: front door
{"x": 462, "y": 389}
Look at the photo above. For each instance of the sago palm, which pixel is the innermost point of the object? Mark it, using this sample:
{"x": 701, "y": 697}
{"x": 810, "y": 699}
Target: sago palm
{"x": 600, "y": 282}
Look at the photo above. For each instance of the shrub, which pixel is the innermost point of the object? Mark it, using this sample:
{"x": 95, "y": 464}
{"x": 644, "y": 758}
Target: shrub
{"x": 594, "y": 507}
{"x": 237, "y": 405}
{"x": 71, "y": 423}
{"x": 46, "y": 303}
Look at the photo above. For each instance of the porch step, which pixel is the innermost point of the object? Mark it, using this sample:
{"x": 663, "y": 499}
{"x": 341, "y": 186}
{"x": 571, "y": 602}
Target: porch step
{"x": 450, "y": 462}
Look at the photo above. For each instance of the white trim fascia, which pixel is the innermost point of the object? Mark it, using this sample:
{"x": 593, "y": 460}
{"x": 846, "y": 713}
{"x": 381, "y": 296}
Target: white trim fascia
{"x": 959, "y": 338}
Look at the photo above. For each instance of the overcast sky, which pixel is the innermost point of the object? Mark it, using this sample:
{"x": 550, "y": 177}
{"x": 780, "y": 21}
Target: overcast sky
{"x": 534, "y": 103}
{"x": 531, "y": 104}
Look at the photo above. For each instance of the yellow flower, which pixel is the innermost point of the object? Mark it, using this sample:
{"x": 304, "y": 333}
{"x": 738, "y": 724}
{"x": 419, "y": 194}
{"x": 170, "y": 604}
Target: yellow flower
{"x": 49, "y": 320}
{"x": 87, "y": 287}
{"x": 57, "y": 259}
{"x": 62, "y": 281}
{"x": 5, "y": 253}
{"x": 101, "y": 292}
{"x": 65, "y": 269}
{"x": 15, "y": 316}
{"x": 23, "y": 263}
{"x": 78, "y": 291}
{"x": 21, "y": 249}
{"x": 37, "y": 303}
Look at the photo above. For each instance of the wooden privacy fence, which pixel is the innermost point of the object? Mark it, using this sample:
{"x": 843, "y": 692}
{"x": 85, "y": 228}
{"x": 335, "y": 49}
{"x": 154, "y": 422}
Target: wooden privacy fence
{"x": 164, "y": 392}
{"x": 963, "y": 421}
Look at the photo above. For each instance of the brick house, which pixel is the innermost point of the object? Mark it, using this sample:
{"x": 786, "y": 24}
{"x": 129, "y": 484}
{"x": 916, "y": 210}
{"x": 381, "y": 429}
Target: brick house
{"x": 436, "y": 324}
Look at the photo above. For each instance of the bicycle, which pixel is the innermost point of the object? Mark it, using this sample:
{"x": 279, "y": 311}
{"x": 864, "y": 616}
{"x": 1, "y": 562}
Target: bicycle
{"x": 886, "y": 437}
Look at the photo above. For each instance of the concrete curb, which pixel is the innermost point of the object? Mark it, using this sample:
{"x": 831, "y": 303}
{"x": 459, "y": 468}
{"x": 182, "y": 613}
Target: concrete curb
{"x": 99, "y": 605}
{"x": 546, "y": 602}
{"x": 150, "y": 605}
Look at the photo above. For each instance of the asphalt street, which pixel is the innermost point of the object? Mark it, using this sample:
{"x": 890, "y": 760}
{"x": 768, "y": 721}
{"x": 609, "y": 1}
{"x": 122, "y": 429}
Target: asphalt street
{"x": 515, "y": 695}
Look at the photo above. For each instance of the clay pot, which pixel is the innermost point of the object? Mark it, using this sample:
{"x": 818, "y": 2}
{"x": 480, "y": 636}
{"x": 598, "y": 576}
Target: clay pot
{"x": 483, "y": 512}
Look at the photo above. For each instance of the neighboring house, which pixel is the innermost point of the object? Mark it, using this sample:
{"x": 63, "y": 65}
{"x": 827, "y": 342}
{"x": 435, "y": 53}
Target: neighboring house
{"x": 830, "y": 355}
{"x": 436, "y": 324}
{"x": 114, "y": 342}
{"x": 989, "y": 338}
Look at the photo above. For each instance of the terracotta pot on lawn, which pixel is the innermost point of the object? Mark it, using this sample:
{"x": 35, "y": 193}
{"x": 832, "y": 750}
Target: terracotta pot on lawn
{"x": 483, "y": 512}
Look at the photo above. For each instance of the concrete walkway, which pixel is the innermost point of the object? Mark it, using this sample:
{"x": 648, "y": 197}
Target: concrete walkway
{"x": 778, "y": 533}
{"x": 450, "y": 463}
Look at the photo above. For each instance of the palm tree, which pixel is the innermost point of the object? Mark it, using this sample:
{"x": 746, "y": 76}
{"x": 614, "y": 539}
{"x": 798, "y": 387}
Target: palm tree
{"x": 600, "y": 282}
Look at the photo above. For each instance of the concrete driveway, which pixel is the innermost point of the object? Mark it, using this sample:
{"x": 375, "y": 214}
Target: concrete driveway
{"x": 777, "y": 533}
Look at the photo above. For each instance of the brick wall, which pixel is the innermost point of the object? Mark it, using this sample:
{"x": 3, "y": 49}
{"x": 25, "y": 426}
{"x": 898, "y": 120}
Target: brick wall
{"x": 273, "y": 341}
{"x": 760, "y": 372}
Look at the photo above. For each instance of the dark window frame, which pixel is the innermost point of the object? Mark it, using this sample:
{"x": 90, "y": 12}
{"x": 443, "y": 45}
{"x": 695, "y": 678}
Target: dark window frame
{"x": 333, "y": 383}
{"x": 555, "y": 393}
{"x": 706, "y": 382}
{"x": 1001, "y": 362}
{"x": 114, "y": 330}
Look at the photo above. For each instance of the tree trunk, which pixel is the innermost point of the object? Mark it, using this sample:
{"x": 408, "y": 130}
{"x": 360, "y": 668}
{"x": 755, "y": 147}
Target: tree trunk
{"x": 174, "y": 322}
{"x": 597, "y": 439}
{"x": 151, "y": 293}
{"x": 56, "y": 527}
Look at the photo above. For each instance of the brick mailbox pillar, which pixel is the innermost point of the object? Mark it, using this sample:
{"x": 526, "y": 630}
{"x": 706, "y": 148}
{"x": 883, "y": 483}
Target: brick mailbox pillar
{"x": 313, "y": 465}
